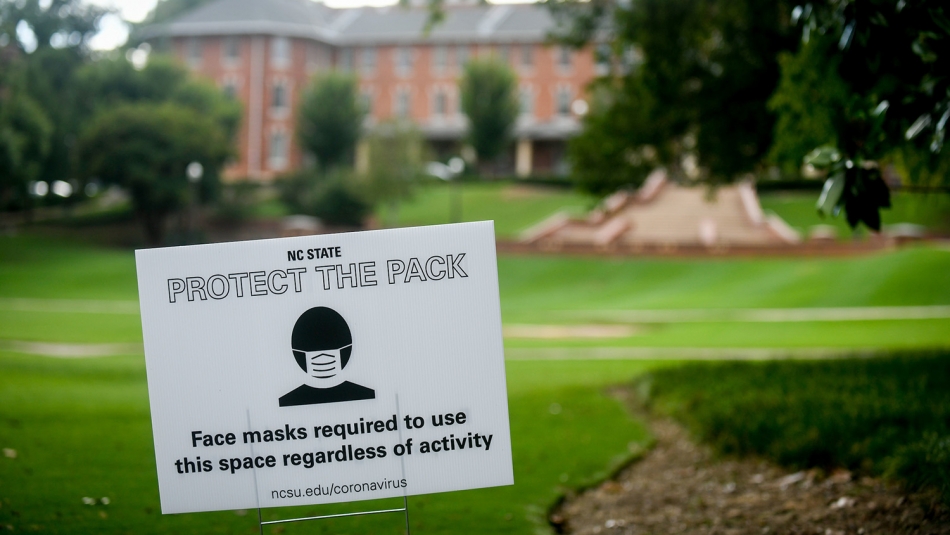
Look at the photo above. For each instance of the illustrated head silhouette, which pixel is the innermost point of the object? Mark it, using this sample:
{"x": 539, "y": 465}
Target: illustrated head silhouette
{"x": 322, "y": 344}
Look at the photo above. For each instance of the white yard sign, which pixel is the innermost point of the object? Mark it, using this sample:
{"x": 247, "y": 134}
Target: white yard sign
{"x": 325, "y": 368}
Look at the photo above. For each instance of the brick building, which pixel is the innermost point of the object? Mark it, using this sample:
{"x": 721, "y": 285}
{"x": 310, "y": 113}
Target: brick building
{"x": 263, "y": 52}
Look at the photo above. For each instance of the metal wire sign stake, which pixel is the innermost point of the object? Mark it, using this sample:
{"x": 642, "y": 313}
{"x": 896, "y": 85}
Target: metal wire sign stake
{"x": 404, "y": 509}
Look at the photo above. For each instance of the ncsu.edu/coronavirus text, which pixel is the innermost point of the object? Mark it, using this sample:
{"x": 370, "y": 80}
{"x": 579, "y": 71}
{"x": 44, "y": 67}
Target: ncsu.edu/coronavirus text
{"x": 334, "y": 489}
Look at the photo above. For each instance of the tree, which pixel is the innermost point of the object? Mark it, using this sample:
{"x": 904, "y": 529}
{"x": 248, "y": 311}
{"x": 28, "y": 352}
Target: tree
{"x": 334, "y": 196}
{"x": 330, "y": 120}
{"x": 142, "y": 123}
{"x": 47, "y": 43}
{"x": 145, "y": 148}
{"x": 807, "y": 102}
{"x": 396, "y": 162}
{"x": 489, "y": 101}
{"x": 890, "y": 68}
{"x": 24, "y": 139}
{"x": 702, "y": 69}
{"x": 61, "y": 24}
{"x": 613, "y": 151}
{"x": 110, "y": 82}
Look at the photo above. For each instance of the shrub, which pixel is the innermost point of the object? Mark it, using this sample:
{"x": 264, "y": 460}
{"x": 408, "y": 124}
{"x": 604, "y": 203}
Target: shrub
{"x": 879, "y": 416}
{"x": 236, "y": 201}
{"x": 333, "y": 197}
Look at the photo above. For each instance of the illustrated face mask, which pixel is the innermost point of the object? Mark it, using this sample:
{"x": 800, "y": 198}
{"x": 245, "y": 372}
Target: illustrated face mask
{"x": 324, "y": 366}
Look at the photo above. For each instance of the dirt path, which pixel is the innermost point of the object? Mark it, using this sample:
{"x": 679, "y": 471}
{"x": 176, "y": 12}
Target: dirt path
{"x": 679, "y": 487}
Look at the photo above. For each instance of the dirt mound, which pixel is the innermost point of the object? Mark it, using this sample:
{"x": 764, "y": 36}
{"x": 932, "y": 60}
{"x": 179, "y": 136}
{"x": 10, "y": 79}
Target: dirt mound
{"x": 681, "y": 487}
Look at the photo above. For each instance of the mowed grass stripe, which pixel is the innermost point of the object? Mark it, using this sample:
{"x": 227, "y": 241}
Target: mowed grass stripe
{"x": 766, "y": 315}
{"x": 891, "y": 334}
{"x": 685, "y": 353}
{"x": 78, "y": 306}
{"x": 692, "y": 315}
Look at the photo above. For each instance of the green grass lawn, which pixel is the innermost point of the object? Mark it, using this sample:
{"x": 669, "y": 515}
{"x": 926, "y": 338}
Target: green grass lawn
{"x": 513, "y": 207}
{"x": 81, "y": 427}
{"x": 798, "y": 210}
{"x": 550, "y": 290}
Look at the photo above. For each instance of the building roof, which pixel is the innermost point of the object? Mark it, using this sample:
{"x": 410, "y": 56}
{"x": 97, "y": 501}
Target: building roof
{"x": 353, "y": 26}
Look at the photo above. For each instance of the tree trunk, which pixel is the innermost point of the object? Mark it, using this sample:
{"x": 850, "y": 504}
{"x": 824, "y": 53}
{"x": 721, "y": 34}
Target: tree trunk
{"x": 153, "y": 222}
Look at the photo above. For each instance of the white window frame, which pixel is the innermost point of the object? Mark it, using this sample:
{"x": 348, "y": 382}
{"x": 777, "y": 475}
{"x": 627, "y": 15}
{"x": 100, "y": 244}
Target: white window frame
{"x": 316, "y": 54}
{"x": 403, "y": 60}
{"x": 563, "y": 89}
{"x": 526, "y": 92}
{"x": 283, "y": 110}
{"x": 504, "y": 53}
{"x": 438, "y": 93}
{"x": 368, "y": 100}
{"x": 562, "y": 52}
{"x": 281, "y": 52}
{"x": 369, "y": 59}
{"x": 346, "y": 59}
{"x": 278, "y": 162}
{"x": 194, "y": 52}
{"x": 226, "y": 58}
{"x": 466, "y": 56}
{"x": 400, "y": 93}
{"x": 526, "y": 52}
{"x": 440, "y": 59}
{"x": 234, "y": 83}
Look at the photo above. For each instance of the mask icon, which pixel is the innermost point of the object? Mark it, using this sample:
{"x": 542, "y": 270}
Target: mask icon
{"x": 322, "y": 345}
{"x": 323, "y": 365}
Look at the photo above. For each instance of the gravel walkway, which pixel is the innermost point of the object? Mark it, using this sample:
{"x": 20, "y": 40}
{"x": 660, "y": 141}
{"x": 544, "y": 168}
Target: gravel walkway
{"x": 680, "y": 487}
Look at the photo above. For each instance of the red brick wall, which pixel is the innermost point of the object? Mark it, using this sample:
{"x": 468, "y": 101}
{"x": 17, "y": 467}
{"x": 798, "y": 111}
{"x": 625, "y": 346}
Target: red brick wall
{"x": 544, "y": 76}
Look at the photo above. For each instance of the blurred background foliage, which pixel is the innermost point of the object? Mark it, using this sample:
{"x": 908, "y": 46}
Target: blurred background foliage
{"x": 712, "y": 90}
{"x": 718, "y": 90}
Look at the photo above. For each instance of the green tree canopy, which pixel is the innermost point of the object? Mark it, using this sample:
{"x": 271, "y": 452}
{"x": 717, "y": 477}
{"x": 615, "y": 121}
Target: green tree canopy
{"x": 695, "y": 74}
{"x": 24, "y": 139}
{"x": 613, "y": 151}
{"x": 872, "y": 82}
{"x": 110, "y": 82}
{"x": 60, "y": 24}
{"x": 145, "y": 124}
{"x": 396, "y": 160}
{"x": 807, "y": 103}
{"x": 893, "y": 51}
{"x": 60, "y": 31}
{"x": 489, "y": 100}
{"x": 146, "y": 147}
{"x": 330, "y": 119}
